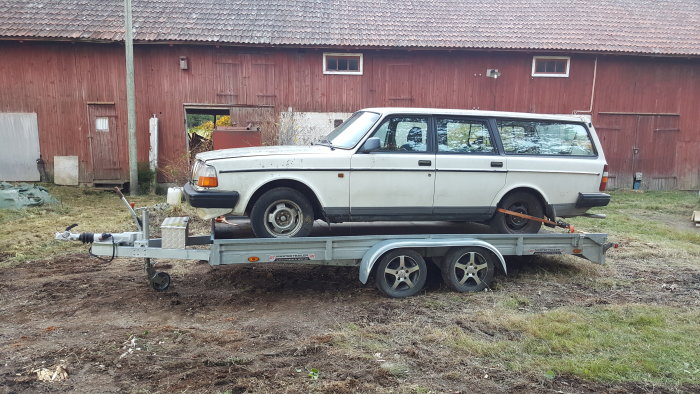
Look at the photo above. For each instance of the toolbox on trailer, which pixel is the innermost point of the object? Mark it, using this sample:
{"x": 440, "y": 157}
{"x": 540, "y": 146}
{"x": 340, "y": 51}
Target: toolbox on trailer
{"x": 173, "y": 232}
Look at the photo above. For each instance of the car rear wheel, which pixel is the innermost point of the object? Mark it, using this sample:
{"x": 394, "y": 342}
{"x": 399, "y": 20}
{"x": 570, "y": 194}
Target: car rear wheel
{"x": 521, "y": 202}
{"x": 282, "y": 213}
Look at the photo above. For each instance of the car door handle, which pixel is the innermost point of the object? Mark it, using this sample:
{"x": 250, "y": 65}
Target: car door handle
{"x": 424, "y": 162}
{"x": 496, "y": 164}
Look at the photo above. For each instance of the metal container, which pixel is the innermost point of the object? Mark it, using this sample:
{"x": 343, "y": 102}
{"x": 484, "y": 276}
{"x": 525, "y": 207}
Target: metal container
{"x": 174, "y": 231}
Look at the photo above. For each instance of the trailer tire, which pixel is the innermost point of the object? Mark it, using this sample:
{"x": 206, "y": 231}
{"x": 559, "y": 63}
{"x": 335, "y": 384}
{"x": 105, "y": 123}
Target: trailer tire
{"x": 282, "y": 212}
{"x": 401, "y": 273}
{"x": 468, "y": 269}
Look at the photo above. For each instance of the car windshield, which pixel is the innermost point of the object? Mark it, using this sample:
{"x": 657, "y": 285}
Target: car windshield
{"x": 349, "y": 133}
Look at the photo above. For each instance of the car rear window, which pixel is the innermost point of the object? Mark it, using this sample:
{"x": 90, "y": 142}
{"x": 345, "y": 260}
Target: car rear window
{"x": 545, "y": 138}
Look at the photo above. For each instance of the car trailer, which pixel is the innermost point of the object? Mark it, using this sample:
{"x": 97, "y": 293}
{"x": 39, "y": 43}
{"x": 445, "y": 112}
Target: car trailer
{"x": 467, "y": 261}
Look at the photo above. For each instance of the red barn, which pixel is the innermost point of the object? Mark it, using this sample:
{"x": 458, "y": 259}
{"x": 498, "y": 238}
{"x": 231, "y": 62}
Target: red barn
{"x": 632, "y": 65}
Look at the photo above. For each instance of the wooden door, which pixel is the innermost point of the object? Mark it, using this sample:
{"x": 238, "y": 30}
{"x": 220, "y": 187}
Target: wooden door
{"x": 399, "y": 87}
{"x": 616, "y": 134}
{"x": 104, "y": 142}
{"x": 656, "y": 141}
{"x": 640, "y": 144}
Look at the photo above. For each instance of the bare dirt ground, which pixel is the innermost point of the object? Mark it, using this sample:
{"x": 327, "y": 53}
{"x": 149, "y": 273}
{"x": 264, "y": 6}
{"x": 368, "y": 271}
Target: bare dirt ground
{"x": 263, "y": 328}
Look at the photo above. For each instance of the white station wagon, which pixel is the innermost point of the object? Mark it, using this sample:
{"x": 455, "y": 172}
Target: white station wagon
{"x": 411, "y": 164}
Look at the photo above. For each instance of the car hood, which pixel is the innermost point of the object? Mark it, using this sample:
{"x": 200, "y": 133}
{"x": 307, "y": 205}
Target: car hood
{"x": 292, "y": 150}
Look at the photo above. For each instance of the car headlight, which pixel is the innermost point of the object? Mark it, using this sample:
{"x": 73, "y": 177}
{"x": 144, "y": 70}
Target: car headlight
{"x": 204, "y": 175}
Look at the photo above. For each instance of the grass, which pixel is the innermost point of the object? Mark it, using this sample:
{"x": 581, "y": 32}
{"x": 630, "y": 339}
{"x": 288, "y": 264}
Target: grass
{"x": 656, "y": 217}
{"x": 611, "y": 344}
{"x": 622, "y": 343}
{"x": 28, "y": 234}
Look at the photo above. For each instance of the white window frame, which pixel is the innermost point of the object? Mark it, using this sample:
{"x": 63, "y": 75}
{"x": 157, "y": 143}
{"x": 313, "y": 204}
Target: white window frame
{"x": 102, "y": 124}
{"x": 325, "y": 69}
{"x": 551, "y": 75}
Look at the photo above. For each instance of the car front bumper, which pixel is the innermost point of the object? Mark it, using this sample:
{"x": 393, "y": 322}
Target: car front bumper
{"x": 210, "y": 198}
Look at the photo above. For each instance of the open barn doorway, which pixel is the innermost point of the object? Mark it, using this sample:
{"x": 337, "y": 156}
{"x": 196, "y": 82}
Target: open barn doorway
{"x": 200, "y": 123}
{"x": 239, "y": 126}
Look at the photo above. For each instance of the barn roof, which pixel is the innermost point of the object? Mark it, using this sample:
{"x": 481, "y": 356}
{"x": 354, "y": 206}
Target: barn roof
{"x": 651, "y": 27}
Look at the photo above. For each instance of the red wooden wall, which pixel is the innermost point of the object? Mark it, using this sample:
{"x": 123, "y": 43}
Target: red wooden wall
{"x": 58, "y": 81}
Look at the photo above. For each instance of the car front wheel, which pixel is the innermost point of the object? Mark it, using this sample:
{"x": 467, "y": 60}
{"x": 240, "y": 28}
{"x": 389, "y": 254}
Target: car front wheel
{"x": 282, "y": 213}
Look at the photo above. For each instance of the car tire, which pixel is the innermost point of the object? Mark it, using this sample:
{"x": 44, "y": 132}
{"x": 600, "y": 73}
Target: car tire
{"x": 282, "y": 213}
{"x": 522, "y": 202}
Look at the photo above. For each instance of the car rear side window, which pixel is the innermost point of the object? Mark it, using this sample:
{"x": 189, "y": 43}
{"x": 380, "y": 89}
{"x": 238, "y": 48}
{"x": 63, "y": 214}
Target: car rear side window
{"x": 545, "y": 138}
{"x": 458, "y": 135}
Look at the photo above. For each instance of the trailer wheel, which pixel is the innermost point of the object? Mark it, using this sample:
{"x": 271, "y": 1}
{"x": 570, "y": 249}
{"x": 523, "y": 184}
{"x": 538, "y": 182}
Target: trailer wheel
{"x": 160, "y": 281}
{"x": 282, "y": 213}
{"x": 401, "y": 273}
{"x": 468, "y": 269}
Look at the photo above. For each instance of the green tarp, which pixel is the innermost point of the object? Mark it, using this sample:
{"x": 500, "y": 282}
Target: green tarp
{"x": 23, "y": 195}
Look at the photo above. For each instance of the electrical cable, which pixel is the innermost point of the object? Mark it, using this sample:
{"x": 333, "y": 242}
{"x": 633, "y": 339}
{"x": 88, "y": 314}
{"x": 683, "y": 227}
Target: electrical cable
{"x": 114, "y": 249}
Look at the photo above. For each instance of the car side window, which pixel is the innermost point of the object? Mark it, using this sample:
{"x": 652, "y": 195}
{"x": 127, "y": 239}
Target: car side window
{"x": 403, "y": 134}
{"x": 456, "y": 135}
{"x": 545, "y": 138}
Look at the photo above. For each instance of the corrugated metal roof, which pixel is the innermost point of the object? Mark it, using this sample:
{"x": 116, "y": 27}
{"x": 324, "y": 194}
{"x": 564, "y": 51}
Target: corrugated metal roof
{"x": 663, "y": 27}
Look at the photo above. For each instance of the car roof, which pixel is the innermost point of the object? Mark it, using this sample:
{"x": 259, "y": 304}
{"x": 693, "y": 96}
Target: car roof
{"x": 477, "y": 113}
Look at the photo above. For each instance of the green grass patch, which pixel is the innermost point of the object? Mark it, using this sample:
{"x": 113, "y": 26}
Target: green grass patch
{"x": 28, "y": 234}
{"x": 613, "y": 344}
{"x": 659, "y": 217}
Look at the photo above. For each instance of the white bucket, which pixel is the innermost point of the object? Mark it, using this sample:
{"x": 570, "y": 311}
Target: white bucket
{"x": 174, "y": 196}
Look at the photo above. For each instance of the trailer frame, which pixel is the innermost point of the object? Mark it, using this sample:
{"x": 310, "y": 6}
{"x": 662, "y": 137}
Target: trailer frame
{"x": 365, "y": 251}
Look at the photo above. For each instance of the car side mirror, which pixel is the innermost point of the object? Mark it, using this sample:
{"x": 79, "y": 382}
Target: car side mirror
{"x": 371, "y": 145}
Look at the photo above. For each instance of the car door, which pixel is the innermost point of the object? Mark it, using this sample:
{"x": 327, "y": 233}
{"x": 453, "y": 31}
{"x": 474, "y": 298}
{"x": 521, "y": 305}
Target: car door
{"x": 395, "y": 182}
{"x": 469, "y": 170}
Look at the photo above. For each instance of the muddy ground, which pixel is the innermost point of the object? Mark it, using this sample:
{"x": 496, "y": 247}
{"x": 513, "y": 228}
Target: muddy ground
{"x": 264, "y": 328}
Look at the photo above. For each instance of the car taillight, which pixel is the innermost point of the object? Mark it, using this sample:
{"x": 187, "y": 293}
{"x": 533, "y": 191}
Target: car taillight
{"x": 206, "y": 176}
{"x": 604, "y": 179}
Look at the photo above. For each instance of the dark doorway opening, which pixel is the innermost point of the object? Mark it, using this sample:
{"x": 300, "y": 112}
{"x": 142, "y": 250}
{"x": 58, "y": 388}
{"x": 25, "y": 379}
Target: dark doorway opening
{"x": 200, "y": 124}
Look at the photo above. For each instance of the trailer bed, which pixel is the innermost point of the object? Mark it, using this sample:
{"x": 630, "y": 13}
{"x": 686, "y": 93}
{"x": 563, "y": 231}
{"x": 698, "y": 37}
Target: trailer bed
{"x": 470, "y": 258}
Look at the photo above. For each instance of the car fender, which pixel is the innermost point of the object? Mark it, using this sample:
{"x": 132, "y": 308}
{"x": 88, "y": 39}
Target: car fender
{"x": 284, "y": 176}
{"x": 510, "y": 188}
{"x": 379, "y": 249}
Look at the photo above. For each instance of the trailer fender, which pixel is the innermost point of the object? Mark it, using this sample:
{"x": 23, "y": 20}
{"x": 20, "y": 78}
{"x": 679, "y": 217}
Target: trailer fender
{"x": 376, "y": 251}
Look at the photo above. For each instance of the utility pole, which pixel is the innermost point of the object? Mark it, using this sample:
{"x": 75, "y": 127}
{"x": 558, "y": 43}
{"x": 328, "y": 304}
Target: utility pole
{"x": 130, "y": 100}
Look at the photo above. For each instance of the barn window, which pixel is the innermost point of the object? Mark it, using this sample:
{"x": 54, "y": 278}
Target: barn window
{"x": 342, "y": 63}
{"x": 550, "y": 66}
{"x": 102, "y": 124}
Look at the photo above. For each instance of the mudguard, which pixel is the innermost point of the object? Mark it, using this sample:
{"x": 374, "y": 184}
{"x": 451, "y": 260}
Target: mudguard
{"x": 376, "y": 251}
